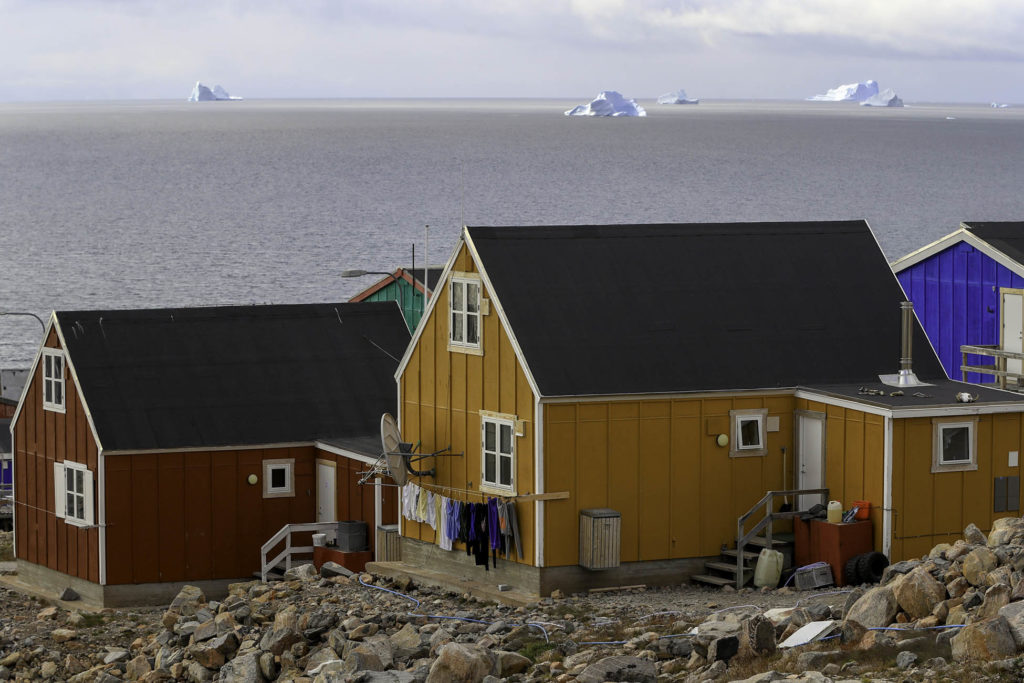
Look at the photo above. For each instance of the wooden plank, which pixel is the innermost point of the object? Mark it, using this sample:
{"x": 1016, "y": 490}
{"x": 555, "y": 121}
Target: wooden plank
{"x": 553, "y": 495}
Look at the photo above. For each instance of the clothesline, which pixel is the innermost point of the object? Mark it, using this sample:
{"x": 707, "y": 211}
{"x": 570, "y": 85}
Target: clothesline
{"x": 553, "y": 495}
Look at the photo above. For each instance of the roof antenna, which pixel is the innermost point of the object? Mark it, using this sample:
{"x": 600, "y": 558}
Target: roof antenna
{"x": 426, "y": 265}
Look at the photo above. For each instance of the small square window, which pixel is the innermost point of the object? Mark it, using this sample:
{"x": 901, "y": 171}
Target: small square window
{"x": 748, "y": 433}
{"x": 953, "y": 445}
{"x": 53, "y": 380}
{"x": 278, "y": 479}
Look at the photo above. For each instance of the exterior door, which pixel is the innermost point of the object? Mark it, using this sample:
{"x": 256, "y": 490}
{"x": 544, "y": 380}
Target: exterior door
{"x": 1012, "y": 329}
{"x": 326, "y": 482}
{"x": 810, "y": 455}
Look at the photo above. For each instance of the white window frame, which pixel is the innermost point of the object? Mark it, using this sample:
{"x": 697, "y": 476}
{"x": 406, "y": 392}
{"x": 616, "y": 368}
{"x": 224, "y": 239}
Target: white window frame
{"x": 458, "y": 342}
{"x": 940, "y": 425}
{"x": 52, "y": 384}
{"x": 499, "y": 421}
{"x": 63, "y": 495}
{"x": 737, "y": 448}
{"x": 288, "y": 466}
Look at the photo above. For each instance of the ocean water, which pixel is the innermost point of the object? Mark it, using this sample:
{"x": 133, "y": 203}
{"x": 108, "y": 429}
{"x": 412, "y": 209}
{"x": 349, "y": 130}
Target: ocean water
{"x": 146, "y": 204}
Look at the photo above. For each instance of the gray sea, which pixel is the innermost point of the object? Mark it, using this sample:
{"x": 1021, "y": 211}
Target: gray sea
{"x": 160, "y": 203}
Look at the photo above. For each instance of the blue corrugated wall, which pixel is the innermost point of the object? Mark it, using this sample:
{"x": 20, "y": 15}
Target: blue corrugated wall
{"x": 956, "y": 297}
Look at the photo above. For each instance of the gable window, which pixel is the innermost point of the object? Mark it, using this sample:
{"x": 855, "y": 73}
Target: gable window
{"x": 53, "y": 380}
{"x": 954, "y": 448}
{"x": 464, "y": 313}
{"x": 73, "y": 494}
{"x": 748, "y": 433}
{"x": 498, "y": 452}
{"x": 278, "y": 479}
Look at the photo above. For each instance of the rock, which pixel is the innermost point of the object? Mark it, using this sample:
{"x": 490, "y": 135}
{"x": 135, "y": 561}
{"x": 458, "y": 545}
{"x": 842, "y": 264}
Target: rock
{"x": 974, "y": 535}
{"x": 48, "y": 669}
{"x": 1013, "y": 613}
{"x": 188, "y": 601}
{"x": 329, "y": 569}
{"x": 302, "y": 572}
{"x": 198, "y": 673}
{"x": 893, "y": 571}
{"x": 282, "y": 635}
{"x": 461, "y": 662}
{"x": 986, "y": 640}
{"x": 851, "y": 632}
{"x": 207, "y": 656}
{"x": 713, "y": 672}
{"x": 69, "y": 595}
{"x": 957, "y": 587}
{"x": 875, "y": 608}
{"x": 906, "y": 659}
{"x": 511, "y": 663}
{"x": 63, "y": 635}
{"x": 617, "y": 669}
{"x": 117, "y": 655}
{"x": 138, "y": 667}
{"x": 918, "y": 592}
{"x": 723, "y": 649}
{"x": 939, "y": 550}
{"x": 759, "y": 636}
{"x": 319, "y": 658}
{"x": 243, "y": 669}
{"x": 977, "y": 564}
{"x": 408, "y": 637}
{"x": 363, "y": 631}
{"x": 1006, "y": 530}
{"x": 360, "y": 659}
{"x": 268, "y": 666}
{"x": 996, "y": 597}
{"x": 814, "y": 661}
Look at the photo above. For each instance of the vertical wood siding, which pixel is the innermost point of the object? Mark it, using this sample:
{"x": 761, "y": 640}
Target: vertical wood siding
{"x": 935, "y": 508}
{"x": 355, "y": 501}
{"x": 442, "y": 394}
{"x": 194, "y": 516}
{"x": 657, "y": 463}
{"x": 43, "y": 437}
{"x": 956, "y": 297}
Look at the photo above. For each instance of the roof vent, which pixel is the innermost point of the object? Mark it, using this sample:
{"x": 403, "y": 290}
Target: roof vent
{"x": 906, "y": 376}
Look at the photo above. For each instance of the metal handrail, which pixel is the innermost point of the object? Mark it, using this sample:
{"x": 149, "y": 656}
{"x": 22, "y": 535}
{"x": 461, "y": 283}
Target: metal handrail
{"x": 768, "y": 501}
{"x": 285, "y": 534}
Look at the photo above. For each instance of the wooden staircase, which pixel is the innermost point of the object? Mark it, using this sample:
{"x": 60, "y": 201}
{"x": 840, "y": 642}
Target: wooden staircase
{"x": 736, "y": 566}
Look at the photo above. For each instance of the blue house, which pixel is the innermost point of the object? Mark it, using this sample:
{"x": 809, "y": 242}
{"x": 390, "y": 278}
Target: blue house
{"x": 968, "y": 290}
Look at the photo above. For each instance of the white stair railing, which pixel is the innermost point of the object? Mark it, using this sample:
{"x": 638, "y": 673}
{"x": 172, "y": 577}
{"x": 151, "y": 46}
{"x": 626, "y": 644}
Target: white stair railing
{"x": 285, "y": 534}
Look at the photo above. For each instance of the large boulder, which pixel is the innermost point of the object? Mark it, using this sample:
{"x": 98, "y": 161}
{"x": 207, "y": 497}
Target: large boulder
{"x": 243, "y": 669}
{"x": 996, "y": 597}
{"x": 283, "y": 634}
{"x": 918, "y": 593}
{"x": 461, "y": 663}
{"x": 974, "y": 535}
{"x": 618, "y": 669}
{"x": 977, "y": 564}
{"x": 1006, "y": 530}
{"x": 986, "y": 640}
{"x": 875, "y": 608}
{"x": 1014, "y": 616}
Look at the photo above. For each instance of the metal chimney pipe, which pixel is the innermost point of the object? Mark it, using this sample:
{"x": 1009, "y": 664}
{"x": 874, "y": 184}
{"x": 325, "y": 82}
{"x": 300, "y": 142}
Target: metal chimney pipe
{"x": 906, "y": 336}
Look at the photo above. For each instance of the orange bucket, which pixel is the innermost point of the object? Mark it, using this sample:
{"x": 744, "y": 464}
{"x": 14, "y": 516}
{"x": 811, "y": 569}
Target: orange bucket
{"x": 863, "y": 509}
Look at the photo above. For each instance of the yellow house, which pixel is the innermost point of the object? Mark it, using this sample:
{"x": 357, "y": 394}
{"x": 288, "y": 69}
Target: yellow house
{"x": 634, "y": 389}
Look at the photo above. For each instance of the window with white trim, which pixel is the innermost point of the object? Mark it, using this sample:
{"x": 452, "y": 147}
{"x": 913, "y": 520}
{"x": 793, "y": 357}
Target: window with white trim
{"x": 73, "y": 493}
{"x": 498, "y": 453}
{"x": 954, "y": 445}
{"x": 278, "y": 478}
{"x": 748, "y": 432}
{"x": 464, "y": 310}
{"x": 53, "y": 379}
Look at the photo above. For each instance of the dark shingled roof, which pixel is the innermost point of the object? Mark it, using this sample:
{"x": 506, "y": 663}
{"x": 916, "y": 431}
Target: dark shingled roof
{"x": 1007, "y": 237}
{"x": 627, "y": 309}
{"x": 235, "y": 375}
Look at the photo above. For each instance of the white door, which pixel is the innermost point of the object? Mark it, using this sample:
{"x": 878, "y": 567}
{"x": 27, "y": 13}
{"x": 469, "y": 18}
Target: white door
{"x": 325, "y": 500}
{"x": 1013, "y": 326}
{"x": 810, "y": 456}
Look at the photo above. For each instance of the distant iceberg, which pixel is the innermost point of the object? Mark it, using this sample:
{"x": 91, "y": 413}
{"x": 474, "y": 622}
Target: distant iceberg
{"x": 608, "y": 103}
{"x": 852, "y": 92}
{"x": 886, "y": 98}
{"x": 997, "y": 105}
{"x": 677, "y": 97}
{"x": 200, "y": 93}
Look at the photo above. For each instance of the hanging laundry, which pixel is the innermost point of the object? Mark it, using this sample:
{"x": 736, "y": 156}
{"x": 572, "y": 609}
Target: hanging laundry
{"x": 421, "y": 506}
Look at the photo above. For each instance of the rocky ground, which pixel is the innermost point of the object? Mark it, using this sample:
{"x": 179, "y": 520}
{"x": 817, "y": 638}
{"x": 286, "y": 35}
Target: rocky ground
{"x": 6, "y": 546}
{"x": 953, "y": 616}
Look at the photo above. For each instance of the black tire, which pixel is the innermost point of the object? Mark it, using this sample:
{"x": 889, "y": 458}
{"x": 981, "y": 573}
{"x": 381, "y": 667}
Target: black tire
{"x": 870, "y": 566}
{"x": 851, "y": 574}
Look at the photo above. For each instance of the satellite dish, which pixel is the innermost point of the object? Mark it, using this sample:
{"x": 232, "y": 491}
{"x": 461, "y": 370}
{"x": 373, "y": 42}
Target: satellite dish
{"x": 391, "y": 442}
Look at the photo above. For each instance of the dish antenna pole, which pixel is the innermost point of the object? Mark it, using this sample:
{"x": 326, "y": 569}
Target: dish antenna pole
{"x": 426, "y": 266}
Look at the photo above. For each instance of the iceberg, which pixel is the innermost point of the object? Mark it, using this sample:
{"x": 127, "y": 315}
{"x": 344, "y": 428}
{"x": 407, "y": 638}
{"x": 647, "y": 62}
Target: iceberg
{"x": 886, "y": 98}
{"x": 608, "y": 103}
{"x": 997, "y": 105}
{"x": 200, "y": 93}
{"x": 677, "y": 97}
{"x": 852, "y": 92}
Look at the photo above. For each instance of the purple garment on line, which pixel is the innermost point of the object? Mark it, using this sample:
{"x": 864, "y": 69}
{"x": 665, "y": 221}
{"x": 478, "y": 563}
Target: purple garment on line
{"x": 493, "y": 528}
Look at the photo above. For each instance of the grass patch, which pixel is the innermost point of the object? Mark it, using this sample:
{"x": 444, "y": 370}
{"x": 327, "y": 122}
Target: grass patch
{"x": 535, "y": 648}
{"x": 89, "y": 619}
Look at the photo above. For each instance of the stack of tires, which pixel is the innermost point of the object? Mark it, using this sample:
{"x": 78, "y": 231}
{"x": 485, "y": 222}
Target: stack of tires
{"x": 864, "y": 568}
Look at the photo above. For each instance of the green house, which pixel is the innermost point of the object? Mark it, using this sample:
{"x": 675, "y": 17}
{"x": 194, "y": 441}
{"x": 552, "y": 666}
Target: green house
{"x": 405, "y": 285}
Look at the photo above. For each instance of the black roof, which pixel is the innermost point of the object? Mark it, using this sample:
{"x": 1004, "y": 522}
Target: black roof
{"x": 1007, "y": 237}
{"x": 626, "y": 309}
{"x": 433, "y": 275}
{"x": 235, "y": 375}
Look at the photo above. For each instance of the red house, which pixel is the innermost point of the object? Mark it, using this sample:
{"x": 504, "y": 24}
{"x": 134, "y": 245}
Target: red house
{"x": 158, "y": 447}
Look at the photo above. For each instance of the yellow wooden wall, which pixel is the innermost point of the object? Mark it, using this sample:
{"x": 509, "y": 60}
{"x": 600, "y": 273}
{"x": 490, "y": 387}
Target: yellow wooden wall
{"x": 657, "y": 462}
{"x": 441, "y": 395}
{"x": 854, "y": 458}
{"x": 934, "y": 508}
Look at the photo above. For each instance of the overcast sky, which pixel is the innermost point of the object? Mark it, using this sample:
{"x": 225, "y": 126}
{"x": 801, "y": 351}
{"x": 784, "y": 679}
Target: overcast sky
{"x": 927, "y": 50}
